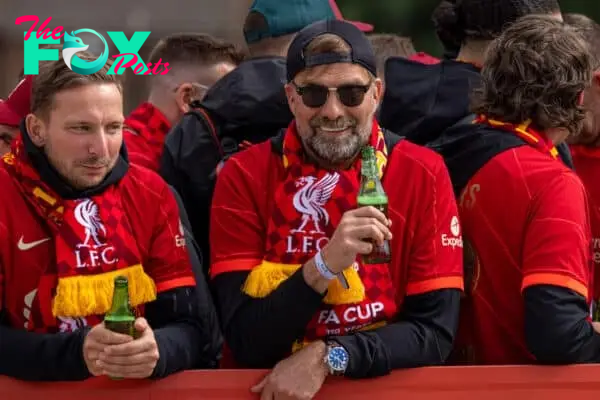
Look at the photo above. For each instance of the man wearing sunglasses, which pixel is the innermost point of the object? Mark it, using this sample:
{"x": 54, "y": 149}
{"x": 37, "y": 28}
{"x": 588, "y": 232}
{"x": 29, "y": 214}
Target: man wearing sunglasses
{"x": 285, "y": 223}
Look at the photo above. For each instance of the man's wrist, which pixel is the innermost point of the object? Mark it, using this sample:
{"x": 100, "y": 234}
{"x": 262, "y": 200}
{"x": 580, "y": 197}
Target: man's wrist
{"x": 329, "y": 259}
{"x": 313, "y": 277}
{"x": 321, "y": 350}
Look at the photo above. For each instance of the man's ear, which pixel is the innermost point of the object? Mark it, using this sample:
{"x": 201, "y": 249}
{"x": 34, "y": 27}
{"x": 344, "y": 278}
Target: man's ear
{"x": 379, "y": 90}
{"x": 184, "y": 96}
{"x": 290, "y": 93}
{"x": 36, "y": 128}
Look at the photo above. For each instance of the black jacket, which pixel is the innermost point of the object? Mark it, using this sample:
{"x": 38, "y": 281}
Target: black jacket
{"x": 248, "y": 104}
{"x": 421, "y": 101}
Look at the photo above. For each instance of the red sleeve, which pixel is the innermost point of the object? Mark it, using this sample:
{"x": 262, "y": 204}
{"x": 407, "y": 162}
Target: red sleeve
{"x": 437, "y": 248}
{"x": 168, "y": 263}
{"x": 138, "y": 152}
{"x": 557, "y": 245}
{"x": 236, "y": 229}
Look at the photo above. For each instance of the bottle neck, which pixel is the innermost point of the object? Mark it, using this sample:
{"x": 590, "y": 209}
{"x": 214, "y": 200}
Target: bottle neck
{"x": 120, "y": 298}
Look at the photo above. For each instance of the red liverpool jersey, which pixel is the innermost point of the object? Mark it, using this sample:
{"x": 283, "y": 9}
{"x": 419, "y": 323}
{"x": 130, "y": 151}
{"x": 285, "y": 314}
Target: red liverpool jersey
{"x": 426, "y": 244}
{"x": 525, "y": 216}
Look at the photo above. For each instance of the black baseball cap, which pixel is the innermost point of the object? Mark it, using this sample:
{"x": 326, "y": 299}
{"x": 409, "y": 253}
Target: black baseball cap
{"x": 362, "y": 52}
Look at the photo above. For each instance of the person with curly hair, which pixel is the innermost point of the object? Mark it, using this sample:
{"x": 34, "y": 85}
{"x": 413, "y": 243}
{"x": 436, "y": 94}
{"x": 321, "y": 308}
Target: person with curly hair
{"x": 421, "y": 101}
{"x": 524, "y": 213}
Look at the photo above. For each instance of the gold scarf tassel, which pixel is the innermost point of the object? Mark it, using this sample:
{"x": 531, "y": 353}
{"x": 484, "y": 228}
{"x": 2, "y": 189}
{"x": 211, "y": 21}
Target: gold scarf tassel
{"x": 84, "y": 295}
{"x": 266, "y": 277}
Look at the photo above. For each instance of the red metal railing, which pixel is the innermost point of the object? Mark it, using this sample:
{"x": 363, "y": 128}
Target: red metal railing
{"x": 440, "y": 383}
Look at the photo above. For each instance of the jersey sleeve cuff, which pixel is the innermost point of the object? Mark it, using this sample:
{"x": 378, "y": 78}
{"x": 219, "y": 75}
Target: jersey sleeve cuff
{"x": 429, "y": 285}
{"x": 554, "y": 279}
{"x": 175, "y": 283}
{"x": 237, "y": 265}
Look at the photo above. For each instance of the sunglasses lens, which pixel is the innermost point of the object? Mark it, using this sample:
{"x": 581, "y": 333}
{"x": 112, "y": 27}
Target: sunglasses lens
{"x": 314, "y": 96}
{"x": 351, "y": 96}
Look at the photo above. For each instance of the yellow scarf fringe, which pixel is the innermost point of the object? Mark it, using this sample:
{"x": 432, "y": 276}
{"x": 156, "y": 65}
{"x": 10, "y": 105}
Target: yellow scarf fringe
{"x": 84, "y": 295}
{"x": 266, "y": 277}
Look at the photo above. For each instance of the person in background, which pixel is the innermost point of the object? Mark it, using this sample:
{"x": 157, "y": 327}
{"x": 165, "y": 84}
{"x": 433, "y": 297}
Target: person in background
{"x": 196, "y": 61}
{"x": 420, "y": 100}
{"x": 75, "y": 214}
{"x": 246, "y": 106}
{"x": 16, "y": 106}
{"x": 524, "y": 213}
{"x": 447, "y": 28}
{"x": 273, "y": 273}
{"x": 12, "y": 111}
{"x": 585, "y": 147}
{"x": 388, "y": 45}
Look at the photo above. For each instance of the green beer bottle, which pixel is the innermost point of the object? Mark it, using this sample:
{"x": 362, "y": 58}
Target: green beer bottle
{"x": 120, "y": 318}
{"x": 372, "y": 194}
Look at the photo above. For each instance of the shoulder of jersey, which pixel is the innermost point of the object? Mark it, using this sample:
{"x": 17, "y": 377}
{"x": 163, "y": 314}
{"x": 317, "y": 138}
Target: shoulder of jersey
{"x": 414, "y": 153}
{"x": 257, "y": 153}
{"x": 150, "y": 178}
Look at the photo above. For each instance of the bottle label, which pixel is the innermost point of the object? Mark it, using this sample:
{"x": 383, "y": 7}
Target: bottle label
{"x": 124, "y": 327}
{"x": 379, "y": 205}
{"x": 381, "y": 254}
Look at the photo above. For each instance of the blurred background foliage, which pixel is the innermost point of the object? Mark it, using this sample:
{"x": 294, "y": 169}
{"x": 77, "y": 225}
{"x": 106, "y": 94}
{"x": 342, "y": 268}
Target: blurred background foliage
{"x": 413, "y": 17}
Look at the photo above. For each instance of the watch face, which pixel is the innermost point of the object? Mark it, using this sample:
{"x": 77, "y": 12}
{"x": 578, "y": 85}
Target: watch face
{"x": 338, "y": 359}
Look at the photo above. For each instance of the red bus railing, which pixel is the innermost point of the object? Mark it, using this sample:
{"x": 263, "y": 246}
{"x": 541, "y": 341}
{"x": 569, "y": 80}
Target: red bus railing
{"x": 440, "y": 383}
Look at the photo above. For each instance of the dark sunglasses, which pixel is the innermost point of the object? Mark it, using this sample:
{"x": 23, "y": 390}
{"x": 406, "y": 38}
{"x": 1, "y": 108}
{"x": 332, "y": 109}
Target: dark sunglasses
{"x": 315, "y": 96}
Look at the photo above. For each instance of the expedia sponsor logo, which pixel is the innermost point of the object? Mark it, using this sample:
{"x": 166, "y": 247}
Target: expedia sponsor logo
{"x": 454, "y": 239}
{"x": 596, "y": 250}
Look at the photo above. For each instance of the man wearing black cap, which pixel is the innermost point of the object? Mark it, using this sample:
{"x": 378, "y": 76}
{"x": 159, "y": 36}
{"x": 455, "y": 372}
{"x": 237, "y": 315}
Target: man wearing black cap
{"x": 285, "y": 223}
{"x": 248, "y": 104}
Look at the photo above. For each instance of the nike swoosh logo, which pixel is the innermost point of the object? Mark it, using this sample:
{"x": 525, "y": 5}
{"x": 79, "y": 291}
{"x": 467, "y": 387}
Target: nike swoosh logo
{"x": 28, "y": 246}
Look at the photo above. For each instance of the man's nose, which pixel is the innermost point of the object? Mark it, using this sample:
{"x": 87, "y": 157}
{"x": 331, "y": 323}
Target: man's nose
{"x": 99, "y": 144}
{"x": 333, "y": 107}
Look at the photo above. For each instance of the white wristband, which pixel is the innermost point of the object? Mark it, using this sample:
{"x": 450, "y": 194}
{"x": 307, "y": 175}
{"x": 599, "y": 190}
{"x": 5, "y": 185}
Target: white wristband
{"x": 322, "y": 267}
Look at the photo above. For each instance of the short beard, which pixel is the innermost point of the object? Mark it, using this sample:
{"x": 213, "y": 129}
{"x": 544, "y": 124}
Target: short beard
{"x": 336, "y": 149}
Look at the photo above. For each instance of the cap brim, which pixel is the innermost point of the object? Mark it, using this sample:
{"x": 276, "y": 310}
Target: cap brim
{"x": 363, "y": 26}
{"x": 8, "y": 116}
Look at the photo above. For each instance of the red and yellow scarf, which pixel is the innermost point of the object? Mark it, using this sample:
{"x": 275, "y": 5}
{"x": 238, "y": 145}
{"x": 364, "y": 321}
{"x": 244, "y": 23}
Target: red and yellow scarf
{"x": 309, "y": 203}
{"x": 148, "y": 129}
{"x": 525, "y": 131}
{"x": 93, "y": 242}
